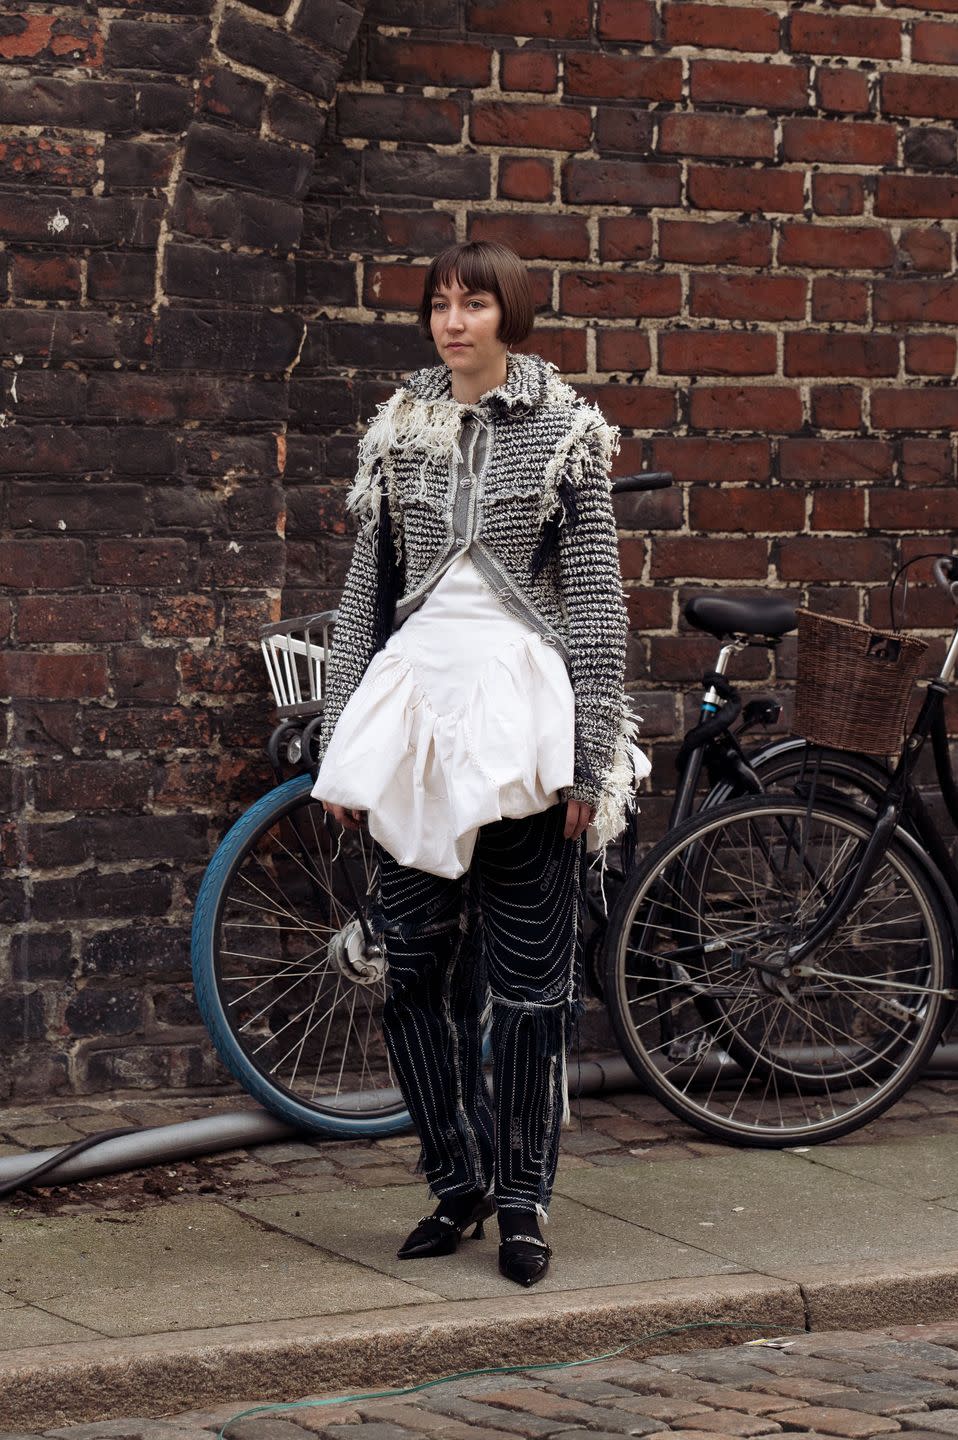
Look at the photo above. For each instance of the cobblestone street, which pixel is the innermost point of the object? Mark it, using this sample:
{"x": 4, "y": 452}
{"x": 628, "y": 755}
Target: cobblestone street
{"x": 851, "y": 1385}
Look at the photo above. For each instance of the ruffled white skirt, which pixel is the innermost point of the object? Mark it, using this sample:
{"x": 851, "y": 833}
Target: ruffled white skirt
{"x": 465, "y": 717}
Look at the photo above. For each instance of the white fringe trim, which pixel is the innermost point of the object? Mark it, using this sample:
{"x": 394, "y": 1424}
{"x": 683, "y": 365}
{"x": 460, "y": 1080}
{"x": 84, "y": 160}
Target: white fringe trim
{"x": 590, "y": 440}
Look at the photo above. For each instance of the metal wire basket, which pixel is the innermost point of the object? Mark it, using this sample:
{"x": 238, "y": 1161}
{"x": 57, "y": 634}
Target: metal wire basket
{"x": 296, "y": 652}
{"x": 854, "y": 683}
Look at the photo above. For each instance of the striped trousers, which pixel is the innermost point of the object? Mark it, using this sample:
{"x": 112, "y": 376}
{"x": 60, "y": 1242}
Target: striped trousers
{"x": 503, "y": 942}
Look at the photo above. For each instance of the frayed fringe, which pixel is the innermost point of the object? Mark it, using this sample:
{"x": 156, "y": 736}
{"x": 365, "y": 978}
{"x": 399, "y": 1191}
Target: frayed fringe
{"x": 402, "y": 424}
{"x": 566, "y": 514}
{"x": 589, "y": 443}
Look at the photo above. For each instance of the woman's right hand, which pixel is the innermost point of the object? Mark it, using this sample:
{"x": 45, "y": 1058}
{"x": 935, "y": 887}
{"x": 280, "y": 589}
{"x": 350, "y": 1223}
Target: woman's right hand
{"x": 350, "y": 819}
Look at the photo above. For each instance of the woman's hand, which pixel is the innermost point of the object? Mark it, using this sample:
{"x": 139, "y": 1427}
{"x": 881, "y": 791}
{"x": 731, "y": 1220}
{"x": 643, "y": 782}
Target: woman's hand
{"x": 349, "y": 819}
{"x": 578, "y": 816}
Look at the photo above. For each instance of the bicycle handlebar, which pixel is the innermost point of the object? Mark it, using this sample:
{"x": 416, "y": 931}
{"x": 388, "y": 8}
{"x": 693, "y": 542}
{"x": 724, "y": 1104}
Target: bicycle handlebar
{"x": 645, "y": 480}
{"x": 945, "y": 570}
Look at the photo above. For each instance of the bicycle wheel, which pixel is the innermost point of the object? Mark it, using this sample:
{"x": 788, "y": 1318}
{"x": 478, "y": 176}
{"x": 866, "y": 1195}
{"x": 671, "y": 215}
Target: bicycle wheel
{"x": 290, "y": 986}
{"x": 706, "y": 1008}
{"x": 789, "y": 766}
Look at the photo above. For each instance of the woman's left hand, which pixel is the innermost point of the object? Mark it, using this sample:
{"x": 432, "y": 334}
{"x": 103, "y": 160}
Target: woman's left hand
{"x": 578, "y": 816}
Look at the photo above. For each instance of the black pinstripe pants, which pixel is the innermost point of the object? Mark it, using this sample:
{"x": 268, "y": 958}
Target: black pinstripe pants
{"x": 504, "y": 939}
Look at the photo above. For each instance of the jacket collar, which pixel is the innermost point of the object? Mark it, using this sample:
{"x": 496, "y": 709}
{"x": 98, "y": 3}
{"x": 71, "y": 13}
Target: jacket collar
{"x": 523, "y": 388}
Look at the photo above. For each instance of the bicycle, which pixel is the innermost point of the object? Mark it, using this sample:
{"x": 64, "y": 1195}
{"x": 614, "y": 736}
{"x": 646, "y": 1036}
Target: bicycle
{"x": 779, "y": 969}
{"x": 289, "y": 971}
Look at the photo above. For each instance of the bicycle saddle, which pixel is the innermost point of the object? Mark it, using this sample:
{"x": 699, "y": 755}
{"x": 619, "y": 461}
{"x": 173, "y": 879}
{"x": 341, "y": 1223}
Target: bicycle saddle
{"x": 723, "y": 615}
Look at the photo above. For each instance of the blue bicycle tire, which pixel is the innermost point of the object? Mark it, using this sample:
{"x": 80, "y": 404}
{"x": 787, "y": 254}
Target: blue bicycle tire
{"x": 237, "y": 842}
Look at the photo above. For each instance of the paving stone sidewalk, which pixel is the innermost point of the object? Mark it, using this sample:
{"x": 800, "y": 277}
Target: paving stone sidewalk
{"x": 851, "y": 1385}
{"x": 615, "y": 1129}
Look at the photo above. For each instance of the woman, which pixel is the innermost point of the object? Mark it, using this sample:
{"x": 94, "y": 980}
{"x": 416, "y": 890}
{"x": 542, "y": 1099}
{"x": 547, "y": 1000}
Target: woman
{"x": 475, "y": 715}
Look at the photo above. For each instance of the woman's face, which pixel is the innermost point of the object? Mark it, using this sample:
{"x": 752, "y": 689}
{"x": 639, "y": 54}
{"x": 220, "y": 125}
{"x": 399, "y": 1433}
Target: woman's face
{"x": 465, "y": 327}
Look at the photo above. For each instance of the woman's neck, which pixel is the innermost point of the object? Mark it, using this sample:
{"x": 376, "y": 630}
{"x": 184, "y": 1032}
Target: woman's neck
{"x": 467, "y": 389}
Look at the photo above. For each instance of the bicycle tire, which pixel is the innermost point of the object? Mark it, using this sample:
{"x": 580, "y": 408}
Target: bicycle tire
{"x": 843, "y": 774}
{"x": 654, "y": 1042}
{"x": 355, "y": 1115}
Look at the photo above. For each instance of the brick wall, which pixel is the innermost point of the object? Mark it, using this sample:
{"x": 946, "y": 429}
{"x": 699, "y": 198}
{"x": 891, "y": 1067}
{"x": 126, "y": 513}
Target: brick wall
{"x": 740, "y": 221}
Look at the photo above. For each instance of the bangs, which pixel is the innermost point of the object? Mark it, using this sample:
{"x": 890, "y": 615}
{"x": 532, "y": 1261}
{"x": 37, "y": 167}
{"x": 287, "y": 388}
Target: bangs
{"x": 483, "y": 265}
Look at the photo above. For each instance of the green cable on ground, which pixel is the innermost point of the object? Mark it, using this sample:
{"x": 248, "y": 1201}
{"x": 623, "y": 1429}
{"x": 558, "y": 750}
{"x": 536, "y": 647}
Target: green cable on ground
{"x": 503, "y": 1369}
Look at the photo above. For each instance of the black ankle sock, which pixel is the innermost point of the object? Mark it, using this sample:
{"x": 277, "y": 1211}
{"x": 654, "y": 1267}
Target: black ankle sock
{"x": 458, "y": 1207}
{"x": 518, "y": 1222}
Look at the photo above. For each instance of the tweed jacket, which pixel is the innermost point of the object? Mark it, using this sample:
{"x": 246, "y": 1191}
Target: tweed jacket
{"x": 544, "y": 538}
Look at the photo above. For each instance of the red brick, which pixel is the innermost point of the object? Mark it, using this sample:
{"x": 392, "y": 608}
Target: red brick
{"x": 934, "y": 42}
{"x": 913, "y": 195}
{"x": 926, "y": 249}
{"x": 45, "y": 161}
{"x": 77, "y": 617}
{"x": 930, "y": 354}
{"x": 183, "y": 615}
{"x": 716, "y": 242}
{"x": 52, "y": 677}
{"x": 723, "y": 27}
{"x": 722, "y": 188}
{"x": 859, "y": 247}
{"x": 625, "y": 405}
{"x": 833, "y": 460}
{"x": 428, "y": 62}
{"x": 811, "y": 353}
{"x": 818, "y": 34}
{"x": 839, "y": 509}
{"x": 536, "y": 237}
{"x": 51, "y": 39}
{"x": 925, "y": 409}
{"x": 737, "y": 82}
{"x": 709, "y": 352}
{"x": 835, "y": 298}
{"x": 623, "y": 238}
{"x": 615, "y": 294}
{"x": 628, "y": 20}
{"x": 564, "y": 348}
{"x": 810, "y": 557}
{"x": 709, "y": 559}
{"x": 927, "y": 462}
{"x": 704, "y": 458}
{"x": 747, "y": 511}
{"x": 836, "y": 407}
{"x": 546, "y": 127}
{"x": 836, "y": 194}
{"x": 527, "y": 179}
{"x": 555, "y": 19}
{"x": 747, "y": 407}
{"x": 46, "y": 277}
{"x": 933, "y": 302}
{"x": 620, "y": 182}
{"x": 905, "y": 93}
{"x": 529, "y": 70}
{"x": 750, "y": 137}
{"x": 400, "y": 117}
{"x": 393, "y": 287}
{"x": 26, "y": 564}
{"x": 923, "y": 509}
{"x": 841, "y": 142}
{"x": 93, "y": 785}
{"x": 622, "y": 350}
{"x": 629, "y": 130}
{"x": 140, "y": 562}
{"x": 621, "y": 77}
{"x": 842, "y": 90}
{"x": 748, "y": 297}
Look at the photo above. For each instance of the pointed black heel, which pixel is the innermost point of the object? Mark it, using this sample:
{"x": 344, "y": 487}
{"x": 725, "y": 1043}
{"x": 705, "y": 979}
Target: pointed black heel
{"x": 524, "y": 1259}
{"x": 439, "y": 1234}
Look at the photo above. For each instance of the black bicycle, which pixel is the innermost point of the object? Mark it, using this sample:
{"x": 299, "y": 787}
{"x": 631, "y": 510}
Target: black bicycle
{"x": 779, "y": 969}
{"x": 288, "y": 965}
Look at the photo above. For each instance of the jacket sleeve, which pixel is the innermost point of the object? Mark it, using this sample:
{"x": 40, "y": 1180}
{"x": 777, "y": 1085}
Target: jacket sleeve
{"x": 591, "y": 580}
{"x": 353, "y": 642}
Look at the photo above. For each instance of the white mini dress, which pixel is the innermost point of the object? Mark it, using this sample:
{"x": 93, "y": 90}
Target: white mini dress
{"x": 463, "y": 718}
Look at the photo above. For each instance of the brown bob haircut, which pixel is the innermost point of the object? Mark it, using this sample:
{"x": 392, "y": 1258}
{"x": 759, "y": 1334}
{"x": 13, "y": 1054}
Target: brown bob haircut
{"x": 484, "y": 265}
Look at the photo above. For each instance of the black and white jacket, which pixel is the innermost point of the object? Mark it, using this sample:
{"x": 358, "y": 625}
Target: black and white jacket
{"x": 544, "y": 539}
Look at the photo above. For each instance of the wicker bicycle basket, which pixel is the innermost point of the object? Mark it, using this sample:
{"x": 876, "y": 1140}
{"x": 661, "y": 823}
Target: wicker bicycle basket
{"x": 854, "y": 683}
